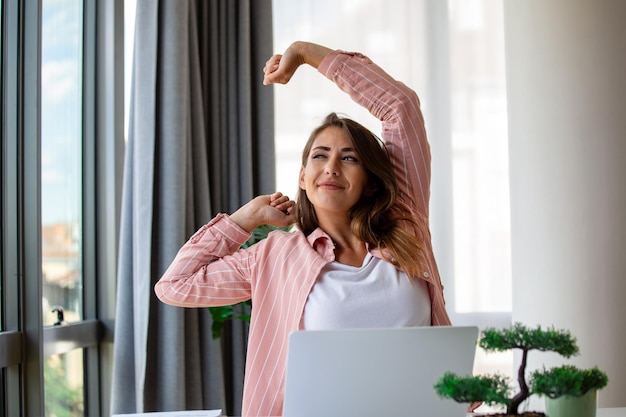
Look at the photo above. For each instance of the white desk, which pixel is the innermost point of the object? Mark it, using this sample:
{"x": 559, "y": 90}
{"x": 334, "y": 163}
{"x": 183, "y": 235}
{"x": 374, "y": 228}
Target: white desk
{"x": 611, "y": 412}
{"x": 602, "y": 412}
{"x": 194, "y": 413}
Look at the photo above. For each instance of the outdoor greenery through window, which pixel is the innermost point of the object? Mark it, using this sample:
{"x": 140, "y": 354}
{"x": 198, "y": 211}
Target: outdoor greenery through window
{"x": 63, "y": 384}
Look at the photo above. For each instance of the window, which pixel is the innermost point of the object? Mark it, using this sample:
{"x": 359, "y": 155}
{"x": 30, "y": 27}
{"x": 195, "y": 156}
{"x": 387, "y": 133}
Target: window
{"x": 62, "y": 148}
{"x": 452, "y": 54}
{"x": 61, "y": 195}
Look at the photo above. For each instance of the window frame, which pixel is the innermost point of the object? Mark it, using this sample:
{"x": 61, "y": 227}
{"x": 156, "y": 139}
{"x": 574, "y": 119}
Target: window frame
{"x": 25, "y": 343}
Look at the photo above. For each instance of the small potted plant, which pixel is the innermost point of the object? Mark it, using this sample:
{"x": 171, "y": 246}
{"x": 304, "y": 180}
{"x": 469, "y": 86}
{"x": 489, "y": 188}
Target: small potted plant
{"x": 569, "y": 391}
{"x": 496, "y": 389}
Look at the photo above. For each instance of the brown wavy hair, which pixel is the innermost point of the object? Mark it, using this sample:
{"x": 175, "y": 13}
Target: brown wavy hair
{"x": 375, "y": 218}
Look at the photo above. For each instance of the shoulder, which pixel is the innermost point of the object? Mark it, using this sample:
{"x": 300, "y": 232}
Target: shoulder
{"x": 279, "y": 238}
{"x": 281, "y": 244}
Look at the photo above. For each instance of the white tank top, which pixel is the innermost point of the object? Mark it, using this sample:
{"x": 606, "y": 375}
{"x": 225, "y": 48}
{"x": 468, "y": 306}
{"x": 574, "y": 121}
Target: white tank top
{"x": 376, "y": 294}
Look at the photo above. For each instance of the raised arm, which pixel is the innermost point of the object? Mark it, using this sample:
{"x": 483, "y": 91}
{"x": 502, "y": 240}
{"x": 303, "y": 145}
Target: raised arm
{"x": 392, "y": 102}
{"x": 398, "y": 108}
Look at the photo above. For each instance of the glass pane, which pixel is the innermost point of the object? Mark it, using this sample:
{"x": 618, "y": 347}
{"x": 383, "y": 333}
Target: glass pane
{"x": 63, "y": 384}
{"x": 61, "y": 161}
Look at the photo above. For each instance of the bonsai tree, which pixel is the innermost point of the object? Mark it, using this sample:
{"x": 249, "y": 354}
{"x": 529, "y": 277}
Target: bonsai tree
{"x": 567, "y": 380}
{"x": 496, "y": 389}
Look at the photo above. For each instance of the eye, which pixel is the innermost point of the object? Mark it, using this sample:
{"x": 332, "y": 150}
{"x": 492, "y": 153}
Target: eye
{"x": 350, "y": 158}
{"x": 317, "y": 156}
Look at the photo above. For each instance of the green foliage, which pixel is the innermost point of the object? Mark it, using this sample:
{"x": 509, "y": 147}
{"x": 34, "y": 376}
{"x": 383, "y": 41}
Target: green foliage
{"x": 241, "y": 311}
{"x": 521, "y": 337}
{"x": 260, "y": 233}
{"x": 221, "y": 314}
{"x": 567, "y": 380}
{"x": 61, "y": 399}
{"x": 493, "y": 389}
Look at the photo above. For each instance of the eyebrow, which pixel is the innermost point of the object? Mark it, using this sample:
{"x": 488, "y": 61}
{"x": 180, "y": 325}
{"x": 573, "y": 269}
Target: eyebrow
{"x": 327, "y": 148}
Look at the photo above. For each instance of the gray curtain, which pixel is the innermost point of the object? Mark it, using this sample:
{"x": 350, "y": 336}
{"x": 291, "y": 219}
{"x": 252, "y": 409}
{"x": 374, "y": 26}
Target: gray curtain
{"x": 200, "y": 142}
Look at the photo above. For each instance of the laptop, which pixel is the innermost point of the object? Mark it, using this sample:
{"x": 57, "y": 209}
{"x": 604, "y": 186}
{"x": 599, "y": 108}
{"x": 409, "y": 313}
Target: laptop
{"x": 376, "y": 372}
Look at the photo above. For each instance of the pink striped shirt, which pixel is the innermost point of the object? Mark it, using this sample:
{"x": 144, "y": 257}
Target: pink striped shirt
{"x": 279, "y": 272}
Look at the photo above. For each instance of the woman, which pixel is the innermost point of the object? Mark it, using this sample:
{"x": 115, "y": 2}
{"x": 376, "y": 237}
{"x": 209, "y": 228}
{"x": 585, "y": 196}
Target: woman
{"x": 361, "y": 255}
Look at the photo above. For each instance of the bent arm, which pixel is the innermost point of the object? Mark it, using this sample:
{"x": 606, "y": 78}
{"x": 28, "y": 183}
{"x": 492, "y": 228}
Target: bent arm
{"x": 208, "y": 270}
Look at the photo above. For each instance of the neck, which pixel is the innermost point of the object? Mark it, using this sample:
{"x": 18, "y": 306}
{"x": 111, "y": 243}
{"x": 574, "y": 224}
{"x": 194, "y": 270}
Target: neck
{"x": 353, "y": 256}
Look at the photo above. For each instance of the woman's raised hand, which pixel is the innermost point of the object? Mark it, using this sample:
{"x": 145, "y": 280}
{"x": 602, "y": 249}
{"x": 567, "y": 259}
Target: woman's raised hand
{"x": 280, "y": 68}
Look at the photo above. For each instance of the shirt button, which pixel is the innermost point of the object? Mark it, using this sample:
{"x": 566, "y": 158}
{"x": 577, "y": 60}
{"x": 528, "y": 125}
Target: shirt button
{"x": 426, "y": 274}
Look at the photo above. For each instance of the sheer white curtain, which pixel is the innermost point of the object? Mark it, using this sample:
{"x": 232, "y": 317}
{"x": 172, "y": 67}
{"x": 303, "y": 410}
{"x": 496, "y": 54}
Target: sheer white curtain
{"x": 452, "y": 54}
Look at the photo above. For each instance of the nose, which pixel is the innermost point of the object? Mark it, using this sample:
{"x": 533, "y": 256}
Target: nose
{"x": 332, "y": 167}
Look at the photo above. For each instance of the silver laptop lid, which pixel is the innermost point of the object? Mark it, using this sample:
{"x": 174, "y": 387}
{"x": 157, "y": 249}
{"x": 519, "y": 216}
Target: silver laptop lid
{"x": 375, "y": 372}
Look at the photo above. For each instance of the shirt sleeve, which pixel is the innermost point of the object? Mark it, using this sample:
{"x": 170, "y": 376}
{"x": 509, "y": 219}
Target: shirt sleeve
{"x": 398, "y": 108}
{"x": 209, "y": 270}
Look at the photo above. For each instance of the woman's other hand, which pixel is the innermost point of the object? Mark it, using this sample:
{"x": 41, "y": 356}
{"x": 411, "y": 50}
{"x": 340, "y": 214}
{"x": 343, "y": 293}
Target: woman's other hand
{"x": 273, "y": 209}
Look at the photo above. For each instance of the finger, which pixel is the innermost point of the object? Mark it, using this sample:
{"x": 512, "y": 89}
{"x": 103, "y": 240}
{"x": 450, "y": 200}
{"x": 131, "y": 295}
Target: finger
{"x": 280, "y": 200}
{"x": 270, "y": 68}
{"x": 286, "y": 207}
{"x": 292, "y": 208}
{"x": 275, "y": 196}
{"x": 272, "y": 64}
{"x": 274, "y": 58}
{"x": 271, "y": 78}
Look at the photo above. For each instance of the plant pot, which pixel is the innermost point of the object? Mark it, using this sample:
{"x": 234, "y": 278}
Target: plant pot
{"x": 566, "y": 406}
{"x": 522, "y": 414}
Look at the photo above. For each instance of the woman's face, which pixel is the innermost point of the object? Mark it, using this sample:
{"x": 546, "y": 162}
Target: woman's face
{"x": 334, "y": 176}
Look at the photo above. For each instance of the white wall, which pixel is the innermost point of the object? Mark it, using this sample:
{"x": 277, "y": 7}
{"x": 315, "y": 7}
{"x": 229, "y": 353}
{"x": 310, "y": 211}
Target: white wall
{"x": 566, "y": 70}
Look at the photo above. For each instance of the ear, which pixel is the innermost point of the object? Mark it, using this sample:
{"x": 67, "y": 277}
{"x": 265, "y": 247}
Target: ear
{"x": 302, "y": 186}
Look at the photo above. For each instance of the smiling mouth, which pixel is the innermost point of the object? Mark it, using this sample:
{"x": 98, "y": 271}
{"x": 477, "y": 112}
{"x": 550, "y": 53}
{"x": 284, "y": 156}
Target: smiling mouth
{"x": 330, "y": 186}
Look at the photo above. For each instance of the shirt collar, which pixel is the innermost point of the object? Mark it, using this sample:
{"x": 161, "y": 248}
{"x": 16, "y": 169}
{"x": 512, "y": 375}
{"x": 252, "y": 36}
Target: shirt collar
{"x": 322, "y": 244}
